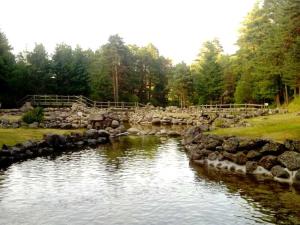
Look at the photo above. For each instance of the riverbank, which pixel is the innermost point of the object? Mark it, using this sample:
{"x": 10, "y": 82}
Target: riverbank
{"x": 260, "y": 157}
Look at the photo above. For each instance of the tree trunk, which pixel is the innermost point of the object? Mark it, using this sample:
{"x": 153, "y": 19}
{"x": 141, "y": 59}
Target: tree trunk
{"x": 277, "y": 100}
{"x": 286, "y": 96}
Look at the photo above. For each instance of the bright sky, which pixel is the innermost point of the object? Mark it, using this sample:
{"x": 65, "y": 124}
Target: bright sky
{"x": 176, "y": 27}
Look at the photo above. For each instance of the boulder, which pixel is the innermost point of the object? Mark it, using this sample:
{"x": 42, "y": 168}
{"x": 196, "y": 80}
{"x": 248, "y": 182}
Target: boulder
{"x": 252, "y": 154}
{"x": 115, "y": 124}
{"x": 92, "y": 133}
{"x": 173, "y": 133}
{"x": 213, "y": 156}
{"x": 231, "y": 144}
{"x": 156, "y": 121}
{"x": 251, "y": 166}
{"x": 292, "y": 145}
{"x": 297, "y": 177}
{"x": 290, "y": 160}
{"x": 280, "y": 172}
{"x": 268, "y": 162}
{"x": 272, "y": 148}
{"x": 133, "y": 131}
{"x": 240, "y": 158}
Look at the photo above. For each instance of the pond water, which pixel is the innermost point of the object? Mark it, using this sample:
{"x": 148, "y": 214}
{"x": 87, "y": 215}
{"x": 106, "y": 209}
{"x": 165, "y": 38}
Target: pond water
{"x": 137, "y": 180}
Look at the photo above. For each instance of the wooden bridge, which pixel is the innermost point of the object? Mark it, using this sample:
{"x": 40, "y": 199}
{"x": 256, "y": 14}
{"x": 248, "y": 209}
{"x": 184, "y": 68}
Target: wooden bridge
{"x": 69, "y": 100}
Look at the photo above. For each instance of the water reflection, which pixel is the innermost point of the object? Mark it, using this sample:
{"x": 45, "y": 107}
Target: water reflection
{"x": 280, "y": 203}
{"x": 137, "y": 180}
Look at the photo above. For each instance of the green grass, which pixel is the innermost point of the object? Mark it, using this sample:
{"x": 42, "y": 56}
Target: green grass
{"x": 276, "y": 127}
{"x": 12, "y": 136}
{"x": 294, "y": 106}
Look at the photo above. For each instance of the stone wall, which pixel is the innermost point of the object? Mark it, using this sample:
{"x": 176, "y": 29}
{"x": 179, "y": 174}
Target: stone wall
{"x": 266, "y": 158}
{"x": 52, "y": 144}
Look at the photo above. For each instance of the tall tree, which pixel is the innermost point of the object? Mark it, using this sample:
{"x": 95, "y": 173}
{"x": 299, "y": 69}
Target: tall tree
{"x": 208, "y": 73}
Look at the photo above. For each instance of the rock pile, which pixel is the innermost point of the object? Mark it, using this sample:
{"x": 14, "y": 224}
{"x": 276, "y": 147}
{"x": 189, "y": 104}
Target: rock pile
{"x": 52, "y": 144}
{"x": 278, "y": 161}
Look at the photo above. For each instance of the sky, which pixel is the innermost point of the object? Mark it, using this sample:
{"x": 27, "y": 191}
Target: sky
{"x": 176, "y": 27}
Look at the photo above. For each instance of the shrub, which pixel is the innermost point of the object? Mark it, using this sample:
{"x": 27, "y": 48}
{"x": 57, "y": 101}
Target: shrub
{"x": 34, "y": 115}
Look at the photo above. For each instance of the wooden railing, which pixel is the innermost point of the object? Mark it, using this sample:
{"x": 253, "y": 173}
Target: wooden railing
{"x": 232, "y": 106}
{"x": 66, "y": 100}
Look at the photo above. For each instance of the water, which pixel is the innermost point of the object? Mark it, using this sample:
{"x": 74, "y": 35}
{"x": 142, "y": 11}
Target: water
{"x": 137, "y": 181}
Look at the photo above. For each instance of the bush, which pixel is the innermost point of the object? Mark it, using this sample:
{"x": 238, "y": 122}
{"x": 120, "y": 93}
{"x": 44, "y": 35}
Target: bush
{"x": 34, "y": 115}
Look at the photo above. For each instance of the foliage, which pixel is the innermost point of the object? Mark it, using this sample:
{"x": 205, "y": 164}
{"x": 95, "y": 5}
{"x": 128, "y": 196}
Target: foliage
{"x": 34, "y": 115}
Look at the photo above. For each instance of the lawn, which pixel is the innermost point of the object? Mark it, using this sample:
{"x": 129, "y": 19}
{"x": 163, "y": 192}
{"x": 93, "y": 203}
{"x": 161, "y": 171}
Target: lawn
{"x": 10, "y": 136}
{"x": 276, "y": 127}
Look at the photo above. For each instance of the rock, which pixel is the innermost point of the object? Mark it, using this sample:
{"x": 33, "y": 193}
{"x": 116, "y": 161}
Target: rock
{"x": 173, "y": 134}
{"x": 204, "y": 127}
{"x": 290, "y": 160}
{"x": 66, "y": 126}
{"x": 92, "y": 133}
{"x": 292, "y": 145}
{"x": 251, "y": 166}
{"x": 191, "y": 134}
{"x": 33, "y": 125}
{"x": 203, "y": 153}
{"x": 213, "y": 156}
{"x": 26, "y": 107}
{"x": 240, "y": 158}
{"x": 115, "y": 124}
{"x": 279, "y": 171}
{"x": 268, "y": 161}
{"x": 252, "y": 154}
{"x": 156, "y": 121}
{"x": 272, "y": 148}
{"x": 92, "y": 142}
{"x": 297, "y": 177}
{"x": 133, "y": 131}
{"x": 103, "y": 133}
{"x": 229, "y": 156}
{"x": 55, "y": 140}
{"x": 231, "y": 145}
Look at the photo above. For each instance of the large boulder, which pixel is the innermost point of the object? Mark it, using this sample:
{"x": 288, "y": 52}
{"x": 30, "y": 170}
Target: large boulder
{"x": 280, "y": 172}
{"x": 290, "y": 160}
{"x": 268, "y": 161}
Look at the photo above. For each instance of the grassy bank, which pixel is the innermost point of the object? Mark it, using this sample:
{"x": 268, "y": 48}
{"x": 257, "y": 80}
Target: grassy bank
{"x": 12, "y": 136}
{"x": 276, "y": 127}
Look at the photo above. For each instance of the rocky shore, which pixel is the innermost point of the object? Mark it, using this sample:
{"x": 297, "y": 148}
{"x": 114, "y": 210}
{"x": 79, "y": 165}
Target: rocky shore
{"x": 258, "y": 157}
{"x": 52, "y": 144}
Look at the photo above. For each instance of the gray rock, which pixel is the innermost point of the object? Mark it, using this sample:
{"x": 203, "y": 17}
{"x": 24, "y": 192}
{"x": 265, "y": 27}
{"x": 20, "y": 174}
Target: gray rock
{"x": 115, "y": 124}
{"x": 290, "y": 160}
{"x": 279, "y": 171}
{"x": 272, "y": 148}
{"x": 297, "y": 177}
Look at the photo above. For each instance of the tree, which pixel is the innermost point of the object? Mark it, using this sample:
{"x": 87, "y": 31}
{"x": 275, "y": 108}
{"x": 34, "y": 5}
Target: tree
{"x": 181, "y": 85}
{"x": 208, "y": 73}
